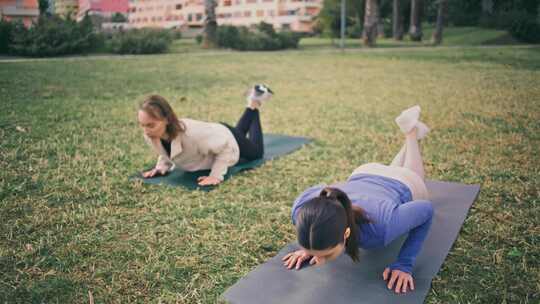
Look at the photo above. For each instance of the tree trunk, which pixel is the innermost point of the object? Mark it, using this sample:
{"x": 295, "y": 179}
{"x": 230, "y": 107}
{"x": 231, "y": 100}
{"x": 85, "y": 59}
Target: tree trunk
{"x": 397, "y": 21}
{"x": 371, "y": 17}
{"x": 441, "y": 14}
{"x": 210, "y": 25}
{"x": 415, "y": 30}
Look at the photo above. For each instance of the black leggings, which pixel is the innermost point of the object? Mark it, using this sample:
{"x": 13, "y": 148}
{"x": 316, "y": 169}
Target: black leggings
{"x": 252, "y": 146}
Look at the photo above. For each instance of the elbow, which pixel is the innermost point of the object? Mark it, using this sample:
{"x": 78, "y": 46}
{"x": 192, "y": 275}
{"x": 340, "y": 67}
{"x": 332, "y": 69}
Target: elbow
{"x": 428, "y": 210}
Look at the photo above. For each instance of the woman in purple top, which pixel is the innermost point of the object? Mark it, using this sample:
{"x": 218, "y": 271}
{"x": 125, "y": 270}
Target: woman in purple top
{"x": 376, "y": 205}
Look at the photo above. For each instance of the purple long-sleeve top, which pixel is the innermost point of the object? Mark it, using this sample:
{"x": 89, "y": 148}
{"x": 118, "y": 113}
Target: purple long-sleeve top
{"x": 389, "y": 206}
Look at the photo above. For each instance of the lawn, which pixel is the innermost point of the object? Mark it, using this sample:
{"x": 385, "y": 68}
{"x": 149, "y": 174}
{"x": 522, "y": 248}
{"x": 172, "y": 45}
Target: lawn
{"x": 75, "y": 229}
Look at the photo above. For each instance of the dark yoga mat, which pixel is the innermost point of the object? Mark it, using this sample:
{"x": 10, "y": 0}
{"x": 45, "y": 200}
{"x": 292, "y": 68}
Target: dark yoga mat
{"x": 275, "y": 145}
{"x": 343, "y": 281}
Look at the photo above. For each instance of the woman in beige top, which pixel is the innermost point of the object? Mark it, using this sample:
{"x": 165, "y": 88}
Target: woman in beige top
{"x": 195, "y": 145}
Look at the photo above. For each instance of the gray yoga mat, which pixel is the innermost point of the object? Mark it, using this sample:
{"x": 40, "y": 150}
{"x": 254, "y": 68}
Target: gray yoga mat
{"x": 342, "y": 281}
{"x": 275, "y": 145}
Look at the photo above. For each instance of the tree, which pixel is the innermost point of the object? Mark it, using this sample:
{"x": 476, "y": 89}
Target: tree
{"x": 371, "y": 19}
{"x": 415, "y": 30}
{"x": 441, "y": 16}
{"x": 117, "y": 17}
{"x": 330, "y": 17}
{"x": 397, "y": 20}
{"x": 43, "y": 7}
{"x": 210, "y": 25}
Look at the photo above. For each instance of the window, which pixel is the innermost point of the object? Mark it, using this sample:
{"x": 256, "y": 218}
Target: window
{"x": 227, "y": 3}
{"x": 237, "y": 14}
{"x": 251, "y": 1}
{"x": 260, "y": 13}
{"x": 247, "y": 14}
{"x": 190, "y": 17}
{"x": 179, "y": 6}
{"x": 271, "y": 13}
{"x": 285, "y": 26}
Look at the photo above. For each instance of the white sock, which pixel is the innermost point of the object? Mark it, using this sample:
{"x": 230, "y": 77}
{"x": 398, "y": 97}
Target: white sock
{"x": 408, "y": 119}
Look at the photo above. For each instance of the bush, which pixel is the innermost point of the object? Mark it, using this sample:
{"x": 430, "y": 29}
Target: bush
{"x": 503, "y": 20}
{"x": 199, "y": 38}
{"x": 355, "y": 31}
{"x": 229, "y": 37}
{"x": 53, "y": 36}
{"x": 289, "y": 40}
{"x": 264, "y": 37}
{"x": 6, "y": 36}
{"x": 176, "y": 34}
{"x": 117, "y": 17}
{"x": 140, "y": 41}
{"x": 526, "y": 30}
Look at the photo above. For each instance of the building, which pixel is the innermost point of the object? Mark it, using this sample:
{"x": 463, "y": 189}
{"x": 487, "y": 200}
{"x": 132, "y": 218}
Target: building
{"x": 294, "y": 15}
{"x": 104, "y": 8}
{"x": 26, "y": 11}
{"x": 66, "y": 7}
{"x": 166, "y": 13}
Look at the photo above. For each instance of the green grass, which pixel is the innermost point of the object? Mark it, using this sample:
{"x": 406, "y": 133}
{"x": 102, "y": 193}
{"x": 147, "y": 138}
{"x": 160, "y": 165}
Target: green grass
{"x": 74, "y": 227}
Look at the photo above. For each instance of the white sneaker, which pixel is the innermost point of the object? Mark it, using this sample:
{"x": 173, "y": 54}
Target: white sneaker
{"x": 408, "y": 119}
{"x": 259, "y": 94}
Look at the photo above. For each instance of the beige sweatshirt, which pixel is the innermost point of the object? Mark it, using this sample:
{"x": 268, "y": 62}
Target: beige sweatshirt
{"x": 202, "y": 146}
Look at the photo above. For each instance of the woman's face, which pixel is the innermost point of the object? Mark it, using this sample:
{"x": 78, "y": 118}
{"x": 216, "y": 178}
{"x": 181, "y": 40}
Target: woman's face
{"x": 153, "y": 128}
{"x": 331, "y": 254}
{"x": 328, "y": 254}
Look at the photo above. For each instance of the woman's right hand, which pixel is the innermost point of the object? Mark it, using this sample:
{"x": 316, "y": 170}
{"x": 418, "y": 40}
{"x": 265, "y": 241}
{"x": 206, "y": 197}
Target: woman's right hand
{"x": 295, "y": 259}
{"x": 153, "y": 173}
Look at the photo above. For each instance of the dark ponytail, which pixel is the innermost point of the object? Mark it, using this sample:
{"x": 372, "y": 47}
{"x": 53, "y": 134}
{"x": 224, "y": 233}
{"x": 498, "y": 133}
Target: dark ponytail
{"x": 322, "y": 221}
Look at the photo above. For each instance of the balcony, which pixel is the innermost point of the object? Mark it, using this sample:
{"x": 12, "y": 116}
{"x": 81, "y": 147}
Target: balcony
{"x": 20, "y": 12}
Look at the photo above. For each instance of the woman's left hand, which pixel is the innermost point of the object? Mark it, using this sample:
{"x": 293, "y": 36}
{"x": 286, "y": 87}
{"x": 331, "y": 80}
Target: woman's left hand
{"x": 208, "y": 181}
{"x": 400, "y": 278}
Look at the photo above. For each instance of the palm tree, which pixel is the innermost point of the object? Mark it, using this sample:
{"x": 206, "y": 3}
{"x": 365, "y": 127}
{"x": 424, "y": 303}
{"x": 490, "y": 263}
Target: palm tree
{"x": 441, "y": 14}
{"x": 397, "y": 20}
{"x": 415, "y": 30}
{"x": 371, "y": 19}
{"x": 210, "y": 25}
